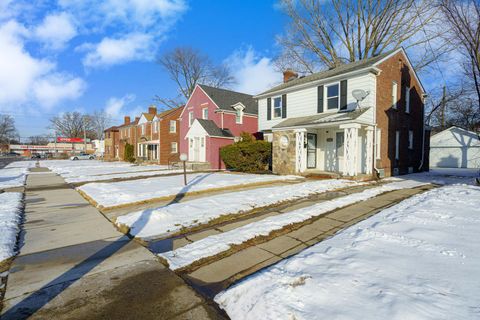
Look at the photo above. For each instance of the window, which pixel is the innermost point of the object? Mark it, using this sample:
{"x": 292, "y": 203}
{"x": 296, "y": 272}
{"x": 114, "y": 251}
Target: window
{"x": 173, "y": 126}
{"x": 332, "y": 96}
{"x": 394, "y": 95}
{"x": 277, "y": 107}
{"x": 378, "y": 142}
{"x": 173, "y": 147}
{"x": 155, "y": 127}
{"x": 202, "y": 142}
{"x": 397, "y": 144}
{"x": 190, "y": 118}
{"x": 410, "y": 139}
{"x": 239, "y": 116}
{"x": 205, "y": 113}
{"x": 407, "y": 100}
{"x": 139, "y": 150}
{"x": 143, "y": 129}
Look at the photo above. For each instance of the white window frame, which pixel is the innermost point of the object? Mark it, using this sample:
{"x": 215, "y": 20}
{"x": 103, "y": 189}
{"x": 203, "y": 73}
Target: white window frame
{"x": 394, "y": 94}
{"x": 205, "y": 113}
{"x": 155, "y": 127}
{"x": 397, "y": 145}
{"x": 410, "y": 139}
{"x": 273, "y": 107}
{"x": 173, "y": 126}
{"x": 173, "y": 147}
{"x": 378, "y": 142}
{"x": 239, "y": 115}
{"x": 407, "y": 100}
{"x": 190, "y": 118}
{"x": 325, "y": 97}
{"x": 143, "y": 128}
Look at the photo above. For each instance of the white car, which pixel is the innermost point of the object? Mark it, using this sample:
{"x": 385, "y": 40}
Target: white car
{"x": 83, "y": 156}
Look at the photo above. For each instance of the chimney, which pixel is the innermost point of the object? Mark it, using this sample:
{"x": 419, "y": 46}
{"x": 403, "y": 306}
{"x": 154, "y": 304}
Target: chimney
{"x": 137, "y": 119}
{"x": 288, "y": 75}
{"x": 152, "y": 110}
{"x": 126, "y": 120}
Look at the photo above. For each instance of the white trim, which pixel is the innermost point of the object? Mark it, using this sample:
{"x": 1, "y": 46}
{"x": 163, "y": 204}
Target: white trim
{"x": 394, "y": 95}
{"x": 193, "y": 92}
{"x": 173, "y": 143}
{"x": 174, "y": 127}
{"x": 325, "y": 97}
{"x": 273, "y": 107}
{"x": 203, "y": 113}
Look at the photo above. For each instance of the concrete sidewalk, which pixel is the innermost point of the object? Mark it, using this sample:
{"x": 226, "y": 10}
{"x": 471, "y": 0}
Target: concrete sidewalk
{"x": 73, "y": 264}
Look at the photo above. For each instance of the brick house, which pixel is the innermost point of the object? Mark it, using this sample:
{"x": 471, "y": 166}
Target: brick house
{"x": 213, "y": 118}
{"x": 126, "y": 134}
{"x": 111, "y": 139}
{"x": 362, "y": 118}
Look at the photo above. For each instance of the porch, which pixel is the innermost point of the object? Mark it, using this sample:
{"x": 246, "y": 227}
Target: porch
{"x": 337, "y": 150}
{"x": 148, "y": 150}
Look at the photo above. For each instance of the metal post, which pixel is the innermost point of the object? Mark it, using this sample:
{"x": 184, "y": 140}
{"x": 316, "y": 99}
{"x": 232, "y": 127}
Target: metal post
{"x": 84, "y": 135}
{"x": 184, "y": 173}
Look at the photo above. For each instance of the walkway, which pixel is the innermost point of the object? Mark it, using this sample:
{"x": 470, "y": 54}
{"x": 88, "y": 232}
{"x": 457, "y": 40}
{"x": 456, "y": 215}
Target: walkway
{"x": 73, "y": 264}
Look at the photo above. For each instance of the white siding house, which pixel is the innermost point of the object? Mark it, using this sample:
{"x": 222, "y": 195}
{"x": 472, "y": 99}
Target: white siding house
{"x": 455, "y": 148}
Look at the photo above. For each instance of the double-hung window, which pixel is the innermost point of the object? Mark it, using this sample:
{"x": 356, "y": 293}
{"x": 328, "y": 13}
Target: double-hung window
{"x": 155, "y": 127}
{"x": 205, "y": 113}
{"x": 173, "y": 126}
{"x": 407, "y": 99}
{"x": 410, "y": 139}
{"x": 190, "y": 118}
{"x": 173, "y": 147}
{"x": 394, "y": 95}
{"x": 277, "y": 107}
{"x": 239, "y": 116}
{"x": 333, "y": 98}
{"x": 143, "y": 129}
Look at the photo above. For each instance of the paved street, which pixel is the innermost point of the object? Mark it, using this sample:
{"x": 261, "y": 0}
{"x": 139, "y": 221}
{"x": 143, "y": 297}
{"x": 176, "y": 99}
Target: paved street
{"x": 73, "y": 264}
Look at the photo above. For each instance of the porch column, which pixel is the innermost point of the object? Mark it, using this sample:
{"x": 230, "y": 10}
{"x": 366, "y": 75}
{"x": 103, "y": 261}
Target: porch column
{"x": 350, "y": 148}
{"x": 300, "y": 154}
{"x": 369, "y": 150}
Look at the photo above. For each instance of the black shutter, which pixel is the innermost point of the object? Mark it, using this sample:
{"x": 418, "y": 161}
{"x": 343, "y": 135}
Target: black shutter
{"x": 320, "y": 99}
{"x": 343, "y": 95}
{"x": 269, "y": 108}
{"x": 284, "y": 106}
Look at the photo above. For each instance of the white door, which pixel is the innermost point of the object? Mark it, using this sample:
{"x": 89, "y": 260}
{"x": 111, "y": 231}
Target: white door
{"x": 330, "y": 154}
{"x": 196, "y": 149}
{"x": 339, "y": 150}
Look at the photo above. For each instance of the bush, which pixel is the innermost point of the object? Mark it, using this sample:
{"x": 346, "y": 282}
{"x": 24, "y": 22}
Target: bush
{"x": 247, "y": 155}
{"x": 129, "y": 153}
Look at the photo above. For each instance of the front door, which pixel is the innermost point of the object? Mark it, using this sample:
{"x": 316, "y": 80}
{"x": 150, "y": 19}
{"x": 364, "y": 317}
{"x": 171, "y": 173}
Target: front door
{"x": 311, "y": 150}
{"x": 196, "y": 149}
{"x": 339, "y": 150}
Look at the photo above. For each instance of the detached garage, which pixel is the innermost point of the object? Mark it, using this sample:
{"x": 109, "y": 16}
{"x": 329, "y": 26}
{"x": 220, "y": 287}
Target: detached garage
{"x": 455, "y": 148}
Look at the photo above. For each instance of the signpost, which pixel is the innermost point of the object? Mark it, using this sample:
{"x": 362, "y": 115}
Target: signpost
{"x": 184, "y": 158}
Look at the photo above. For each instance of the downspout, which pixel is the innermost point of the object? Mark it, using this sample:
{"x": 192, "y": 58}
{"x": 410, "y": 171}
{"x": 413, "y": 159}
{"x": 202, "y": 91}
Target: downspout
{"x": 222, "y": 118}
{"x": 423, "y": 133}
{"x": 159, "y": 128}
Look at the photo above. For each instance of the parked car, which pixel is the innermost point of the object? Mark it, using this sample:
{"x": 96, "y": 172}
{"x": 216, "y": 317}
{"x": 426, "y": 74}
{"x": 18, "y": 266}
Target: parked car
{"x": 36, "y": 156}
{"x": 12, "y": 154}
{"x": 83, "y": 156}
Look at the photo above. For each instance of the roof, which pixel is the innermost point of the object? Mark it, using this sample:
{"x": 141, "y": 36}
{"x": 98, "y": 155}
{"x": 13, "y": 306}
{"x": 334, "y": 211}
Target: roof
{"x": 213, "y": 130}
{"x": 225, "y": 99}
{"x": 169, "y": 111}
{"x": 321, "y": 118}
{"x": 344, "y": 68}
{"x": 112, "y": 128}
{"x": 455, "y": 137}
{"x": 132, "y": 123}
{"x": 148, "y": 116}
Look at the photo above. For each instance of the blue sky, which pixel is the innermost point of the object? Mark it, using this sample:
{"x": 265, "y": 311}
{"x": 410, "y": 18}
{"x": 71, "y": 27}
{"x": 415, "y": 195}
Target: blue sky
{"x": 87, "y": 55}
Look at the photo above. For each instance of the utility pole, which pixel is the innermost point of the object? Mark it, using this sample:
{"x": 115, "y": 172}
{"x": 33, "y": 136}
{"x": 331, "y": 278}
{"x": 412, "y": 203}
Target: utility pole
{"x": 84, "y": 134}
{"x": 442, "y": 111}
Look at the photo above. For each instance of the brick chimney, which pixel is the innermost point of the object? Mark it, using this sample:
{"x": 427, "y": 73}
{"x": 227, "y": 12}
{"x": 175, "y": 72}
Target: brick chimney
{"x": 152, "y": 110}
{"x": 288, "y": 75}
{"x": 126, "y": 120}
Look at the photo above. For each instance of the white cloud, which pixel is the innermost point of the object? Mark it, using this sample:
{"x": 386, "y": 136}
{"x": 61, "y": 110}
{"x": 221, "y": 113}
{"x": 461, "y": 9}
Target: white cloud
{"x": 25, "y": 79}
{"x": 253, "y": 73}
{"x": 115, "y": 107}
{"x": 111, "y": 51}
{"x": 56, "y": 30}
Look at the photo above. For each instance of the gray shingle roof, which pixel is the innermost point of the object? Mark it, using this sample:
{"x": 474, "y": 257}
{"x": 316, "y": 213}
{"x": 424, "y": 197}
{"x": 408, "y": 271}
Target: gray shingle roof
{"x": 345, "y": 68}
{"x": 321, "y": 118}
{"x": 225, "y": 99}
{"x": 213, "y": 130}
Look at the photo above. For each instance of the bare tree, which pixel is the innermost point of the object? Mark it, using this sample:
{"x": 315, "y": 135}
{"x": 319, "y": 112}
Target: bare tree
{"x": 39, "y": 140}
{"x": 8, "y": 130}
{"x": 99, "y": 122}
{"x": 72, "y": 125}
{"x": 463, "y": 19}
{"x": 187, "y": 67}
{"x": 330, "y": 33}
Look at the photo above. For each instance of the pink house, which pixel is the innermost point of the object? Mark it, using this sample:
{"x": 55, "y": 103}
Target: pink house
{"x": 213, "y": 118}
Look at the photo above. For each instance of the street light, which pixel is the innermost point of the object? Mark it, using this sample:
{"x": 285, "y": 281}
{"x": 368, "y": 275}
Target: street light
{"x": 183, "y": 158}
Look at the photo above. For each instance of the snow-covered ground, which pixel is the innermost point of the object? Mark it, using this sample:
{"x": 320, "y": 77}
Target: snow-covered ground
{"x": 14, "y": 174}
{"x": 162, "y": 221}
{"x": 416, "y": 260}
{"x": 120, "y": 193}
{"x": 134, "y": 174}
{"x": 219, "y": 243}
{"x": 10, "y": 217}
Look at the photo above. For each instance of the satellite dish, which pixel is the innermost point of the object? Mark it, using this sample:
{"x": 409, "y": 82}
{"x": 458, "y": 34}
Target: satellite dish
{"x": 359, "y": 95}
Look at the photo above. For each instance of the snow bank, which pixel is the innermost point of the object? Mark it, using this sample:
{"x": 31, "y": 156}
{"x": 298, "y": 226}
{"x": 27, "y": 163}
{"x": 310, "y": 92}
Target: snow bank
{"x": 135, "y": 174}
{"x": 119, "y": 193}
{"x": 169, "y": 219}
{"x": 416, "y": 260}
{"x": 10, "y": 217}
{"x": 216, "y": 244}
{"x": 12, "y": 177}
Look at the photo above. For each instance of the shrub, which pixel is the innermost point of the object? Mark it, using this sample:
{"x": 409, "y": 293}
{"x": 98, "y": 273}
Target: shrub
{"x": 247, "y": 155}
{"x": 129, "y": 153}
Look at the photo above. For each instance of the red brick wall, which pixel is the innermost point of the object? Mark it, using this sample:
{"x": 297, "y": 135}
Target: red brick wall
{"x": 166, "y": 137}
{"x": 390, "y": 120}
